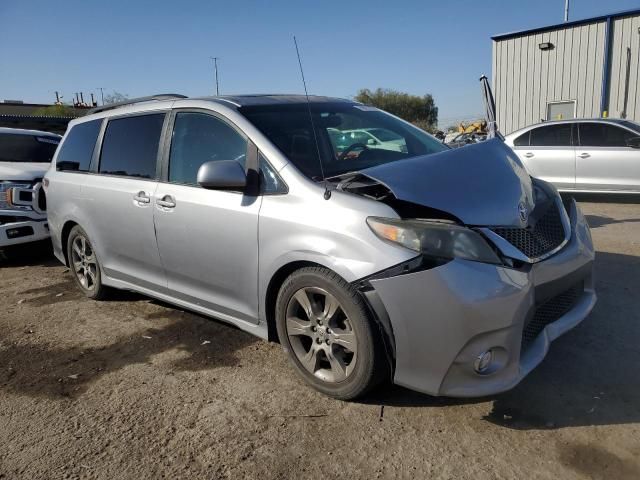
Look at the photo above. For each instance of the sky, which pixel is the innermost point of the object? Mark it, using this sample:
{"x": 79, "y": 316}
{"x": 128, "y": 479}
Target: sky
{"x": 144, "y": 47}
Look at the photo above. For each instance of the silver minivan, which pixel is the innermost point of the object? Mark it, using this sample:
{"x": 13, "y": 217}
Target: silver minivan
{"x": 591, "y": 155}
{"x": 446, "y": 271}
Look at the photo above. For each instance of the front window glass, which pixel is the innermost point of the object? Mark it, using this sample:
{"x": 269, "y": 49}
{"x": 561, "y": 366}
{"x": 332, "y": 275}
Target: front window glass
{"x": 27, "y": 148}
{"x": 130, "y": 146}
{"x": 199, "y": 138}
{"x": 346, "y": 135}
{"x": 551, "y": 136}
{"x": 603, "y": 135}
{"x": 270, "y": 182}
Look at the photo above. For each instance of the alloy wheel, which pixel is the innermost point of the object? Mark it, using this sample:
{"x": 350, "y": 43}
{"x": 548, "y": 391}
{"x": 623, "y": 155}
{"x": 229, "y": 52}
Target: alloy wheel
{"x": 83, "y": 260}
{"x": 321, "y": 335}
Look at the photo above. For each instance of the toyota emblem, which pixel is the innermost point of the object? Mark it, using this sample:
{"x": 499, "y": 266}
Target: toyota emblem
{"x": 523, "y": 211}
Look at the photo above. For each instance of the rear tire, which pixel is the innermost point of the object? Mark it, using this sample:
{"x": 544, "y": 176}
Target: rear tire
{"x": 324, "y": 327}
{"x": 84, "y": 264}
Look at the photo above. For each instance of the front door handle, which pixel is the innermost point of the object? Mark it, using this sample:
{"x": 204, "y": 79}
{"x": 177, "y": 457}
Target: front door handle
{"x": 142, "y": 197}
{"x": 528, "y": 155}
{"x": 167, "y": 201}
{"x": 584, "y": 155}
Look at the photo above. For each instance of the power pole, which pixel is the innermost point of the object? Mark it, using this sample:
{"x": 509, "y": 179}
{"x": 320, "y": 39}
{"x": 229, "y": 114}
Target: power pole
{"x": 215, "y": 66}
{"x": 101, "y": 94}
{"x": 566, "y": 10}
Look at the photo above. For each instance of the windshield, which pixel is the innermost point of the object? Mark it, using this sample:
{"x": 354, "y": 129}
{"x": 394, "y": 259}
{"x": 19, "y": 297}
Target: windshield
{"x": 350, "y": 137}
{"x": 27, "y": 148}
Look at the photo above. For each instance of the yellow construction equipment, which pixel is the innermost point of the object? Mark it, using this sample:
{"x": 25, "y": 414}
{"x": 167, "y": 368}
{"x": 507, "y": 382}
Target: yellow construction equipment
{"x": 476, "y": 127}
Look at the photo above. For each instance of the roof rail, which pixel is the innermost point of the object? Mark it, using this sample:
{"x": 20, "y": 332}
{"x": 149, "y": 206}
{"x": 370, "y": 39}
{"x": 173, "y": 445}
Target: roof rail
{"x": 132, "y": 101}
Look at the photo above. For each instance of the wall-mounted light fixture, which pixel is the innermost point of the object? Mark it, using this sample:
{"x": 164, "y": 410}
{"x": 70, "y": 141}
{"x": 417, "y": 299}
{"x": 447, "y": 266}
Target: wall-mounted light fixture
{"x": 545, "y": 46}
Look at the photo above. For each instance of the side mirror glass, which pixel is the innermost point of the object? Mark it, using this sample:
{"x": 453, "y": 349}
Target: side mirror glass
{"x": 371, "y": 141}
{"x": 222, "y": 175}
{"x": 634, "y": 142}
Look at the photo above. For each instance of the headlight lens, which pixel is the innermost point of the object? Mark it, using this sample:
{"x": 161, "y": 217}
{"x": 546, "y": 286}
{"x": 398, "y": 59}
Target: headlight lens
{"x": 435, "y": 239}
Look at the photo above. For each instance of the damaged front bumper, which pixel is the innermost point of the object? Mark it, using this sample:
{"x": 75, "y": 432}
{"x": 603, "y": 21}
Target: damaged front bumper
{"x": 443, "y": 319}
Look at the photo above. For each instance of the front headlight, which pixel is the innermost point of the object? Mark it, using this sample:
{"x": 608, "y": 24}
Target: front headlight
{"x": 434, "y": 239}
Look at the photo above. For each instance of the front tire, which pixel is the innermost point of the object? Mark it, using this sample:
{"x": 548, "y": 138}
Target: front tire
{"x": 84, "y": 264}
{"x": 324, "y": 327}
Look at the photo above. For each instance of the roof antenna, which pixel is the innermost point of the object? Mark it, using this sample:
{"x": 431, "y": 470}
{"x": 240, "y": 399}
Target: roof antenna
{"x": 327, "y": 192}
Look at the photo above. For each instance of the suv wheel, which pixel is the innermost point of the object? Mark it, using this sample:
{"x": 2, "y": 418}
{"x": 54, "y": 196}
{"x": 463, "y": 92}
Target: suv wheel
{"x": 324, "y": 328}
{"x": 84, "y": 264}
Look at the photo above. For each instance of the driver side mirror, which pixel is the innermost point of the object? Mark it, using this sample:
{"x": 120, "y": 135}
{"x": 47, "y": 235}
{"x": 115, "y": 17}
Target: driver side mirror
{"x": 222, "y": 175}
{"x": 371, "y": 141}
{"x": 633, "y": 142}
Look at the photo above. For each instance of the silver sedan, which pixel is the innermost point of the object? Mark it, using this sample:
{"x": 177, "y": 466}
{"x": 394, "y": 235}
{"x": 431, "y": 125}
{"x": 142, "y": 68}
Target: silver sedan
{"x": 598, "y": 155}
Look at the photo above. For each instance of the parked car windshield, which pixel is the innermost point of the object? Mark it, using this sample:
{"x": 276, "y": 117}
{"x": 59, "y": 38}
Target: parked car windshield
{"x": 27, "y": 148}
{"x": 344, "y": 133}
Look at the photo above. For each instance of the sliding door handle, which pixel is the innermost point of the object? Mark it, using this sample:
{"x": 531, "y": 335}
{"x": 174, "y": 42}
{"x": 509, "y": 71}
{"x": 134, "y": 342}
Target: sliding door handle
{"x": 142, "y": 197}
{"x": 167, "y": 201}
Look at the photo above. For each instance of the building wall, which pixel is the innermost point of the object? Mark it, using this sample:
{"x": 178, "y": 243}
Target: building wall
{"x": 626, "y": 34}
{"x": 526, "y": 79}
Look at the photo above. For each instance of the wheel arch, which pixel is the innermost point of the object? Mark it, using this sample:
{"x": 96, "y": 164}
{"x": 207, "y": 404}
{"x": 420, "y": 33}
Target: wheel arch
{"x": 64, "y": 237}
{"x": 276, "y": 281}
{"x": 373, "y": 304}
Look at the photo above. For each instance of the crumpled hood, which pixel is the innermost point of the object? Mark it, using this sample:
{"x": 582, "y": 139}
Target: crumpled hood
{"x": 22, "y": 170}
{"x": 481, "y": 184}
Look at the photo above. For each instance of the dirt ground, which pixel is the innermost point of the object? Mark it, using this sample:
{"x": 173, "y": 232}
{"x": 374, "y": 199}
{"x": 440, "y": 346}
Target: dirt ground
{"x": 131, "y": 388}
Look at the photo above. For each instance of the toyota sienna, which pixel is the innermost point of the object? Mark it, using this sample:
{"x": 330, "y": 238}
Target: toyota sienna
{"x": 447, "y": 271}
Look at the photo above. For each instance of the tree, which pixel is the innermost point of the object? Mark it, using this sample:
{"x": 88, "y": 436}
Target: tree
{"x": 115, "y": 97}
{"x": 56, "y": 111}
{"x": 421, "y": 111}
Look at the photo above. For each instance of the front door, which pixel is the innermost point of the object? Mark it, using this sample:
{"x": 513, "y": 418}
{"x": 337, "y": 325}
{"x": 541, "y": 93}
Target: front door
{"x": 549, "y": 154}
{"x": 119, "y": 198}
{"x": 603, "y": 159}
{"x": 208, "y": 239}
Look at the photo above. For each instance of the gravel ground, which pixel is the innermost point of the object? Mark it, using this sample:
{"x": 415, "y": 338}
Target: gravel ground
{"x": 132, "y": 388}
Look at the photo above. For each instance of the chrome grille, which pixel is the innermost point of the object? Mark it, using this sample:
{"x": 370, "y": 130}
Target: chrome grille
{"x": 550, "y": 311}
{"x": 4, "y": 195}
{"x": 535, "y": 241}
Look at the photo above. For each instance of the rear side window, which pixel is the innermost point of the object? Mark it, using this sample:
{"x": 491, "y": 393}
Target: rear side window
{"x": 551, "y": 136}
{"x": 522, "y": 140}
{"x": 199, "y": 138}
{"x": 27, "y": 148}
{"x": 130, "y": 146}
{"x": 77, "y": 149}
{"x": 603, "y": 135}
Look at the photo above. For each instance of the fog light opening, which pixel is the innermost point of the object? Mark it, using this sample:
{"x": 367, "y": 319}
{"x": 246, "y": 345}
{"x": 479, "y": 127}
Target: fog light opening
{"x": 482, "y": 363}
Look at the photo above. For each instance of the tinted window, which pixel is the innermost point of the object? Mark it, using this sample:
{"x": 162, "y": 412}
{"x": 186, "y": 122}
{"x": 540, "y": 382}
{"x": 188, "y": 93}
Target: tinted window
{"x": 522, "y": 140}
{"x": 632, "y": 125}
{"x": 603, "y": 135}
{"x": 130, "y": 146}
{"x": 27, "y": 148}
{"x": 199, "y": 138}
{"x": 551, "y": 136}
{"x": 77, "y": 149}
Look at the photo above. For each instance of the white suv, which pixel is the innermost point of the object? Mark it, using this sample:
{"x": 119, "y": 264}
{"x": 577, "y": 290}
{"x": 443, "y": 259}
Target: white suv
{"x": 25, "y": 156}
